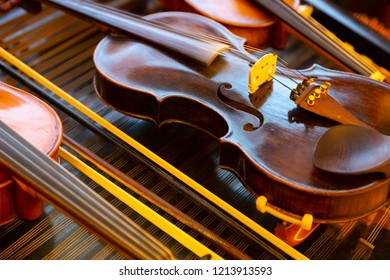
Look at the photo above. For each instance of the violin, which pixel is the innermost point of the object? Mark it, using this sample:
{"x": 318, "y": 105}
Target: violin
{"x": 30, "y": 174}
{"x": 266, "y": 23}
{"x": 165, "y": 75}
{"x": 260, "y": 142}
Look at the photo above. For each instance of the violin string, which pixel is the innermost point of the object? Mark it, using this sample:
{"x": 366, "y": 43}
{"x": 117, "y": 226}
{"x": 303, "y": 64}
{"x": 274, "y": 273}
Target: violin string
{"x": 280, "y": 61}
{"x": 254, "y": 50}
{"x": 362, "y": 250}
{"x": 208, "y": 38}
{"x": 283, "y": 84}
{"x": 379, "y": 226}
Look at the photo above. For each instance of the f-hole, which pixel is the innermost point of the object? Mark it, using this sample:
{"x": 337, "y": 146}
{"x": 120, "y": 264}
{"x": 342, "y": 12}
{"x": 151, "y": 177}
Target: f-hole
{"x": 224, "y": 91}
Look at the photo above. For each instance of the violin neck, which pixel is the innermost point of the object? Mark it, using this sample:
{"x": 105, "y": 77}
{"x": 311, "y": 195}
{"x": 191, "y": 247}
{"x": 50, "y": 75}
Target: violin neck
{"x": 320, "y": 37}
{"x": 127, "y": 23}
{"x": 59, "y": 187}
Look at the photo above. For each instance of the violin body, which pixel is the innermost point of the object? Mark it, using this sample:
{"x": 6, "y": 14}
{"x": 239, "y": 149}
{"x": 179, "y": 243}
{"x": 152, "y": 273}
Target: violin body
{"x": 41, "y": 126}
{"x": 265, "y": 138}
{"x": 243, "y": 18}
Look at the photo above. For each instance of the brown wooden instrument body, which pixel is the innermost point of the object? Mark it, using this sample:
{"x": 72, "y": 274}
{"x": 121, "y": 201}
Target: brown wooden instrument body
{"x": 243, "y": 18}
{"x": 41, "y": 126}
{"x": 30, "y": 132}
{"x": 265, "y": 139}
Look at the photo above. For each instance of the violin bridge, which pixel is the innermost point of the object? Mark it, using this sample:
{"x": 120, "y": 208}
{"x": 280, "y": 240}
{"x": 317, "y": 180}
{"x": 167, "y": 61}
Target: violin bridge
{"x": 262, "y": 71}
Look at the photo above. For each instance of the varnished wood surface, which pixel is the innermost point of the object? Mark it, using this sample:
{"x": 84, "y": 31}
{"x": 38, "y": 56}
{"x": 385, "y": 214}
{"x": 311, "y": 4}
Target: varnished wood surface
{"x": 241, "y": 17}
{"x": 262, "y": 143}
{"x": 66, "y": 60}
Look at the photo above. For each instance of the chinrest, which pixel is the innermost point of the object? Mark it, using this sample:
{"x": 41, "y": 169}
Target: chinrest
{"x": 352, "y": 149}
